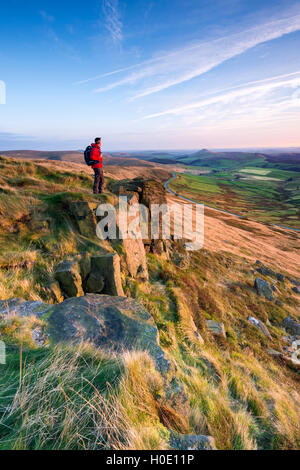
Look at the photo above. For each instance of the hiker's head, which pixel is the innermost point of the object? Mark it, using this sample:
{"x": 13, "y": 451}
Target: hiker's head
{"x": 98, "y": 140}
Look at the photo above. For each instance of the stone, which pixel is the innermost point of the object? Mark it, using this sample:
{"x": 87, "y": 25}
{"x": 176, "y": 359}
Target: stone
{"x": 113, "y": 323}
{"x": 107, "y": 322}
{"x": 296, "y": 290}
{"x": 68, "y": 276}
{"x": 133, "y": 244}
{"x": 291, "y": 326}
{"x": 55, "y": 291}
{"x": 158, "y": 247}
{"x": 84, "y": 261}
{"x": 265, "y": 271}
{"x": 216, "y": 328}
{"x": 108, "y": 266}
{"x": 181, "y": 260}
{"x": 273, "y": 352}
{"x": 84, "y": 214}
{"x": 263, "y": 288}
{"x": 191, "y": 442}
{"x": 136, "y": 258}
{"x": 23, "y": 308}
{"x": 259, "y": 324}
{"x": 95, "y": 283}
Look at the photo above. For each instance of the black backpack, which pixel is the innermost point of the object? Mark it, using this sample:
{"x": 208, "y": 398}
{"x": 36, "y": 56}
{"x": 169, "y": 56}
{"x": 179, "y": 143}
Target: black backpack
{"x": 87, "y": 157}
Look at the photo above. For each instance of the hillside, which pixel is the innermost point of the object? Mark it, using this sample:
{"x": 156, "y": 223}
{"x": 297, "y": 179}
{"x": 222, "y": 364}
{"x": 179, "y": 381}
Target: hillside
{"x": 140, "y": 344}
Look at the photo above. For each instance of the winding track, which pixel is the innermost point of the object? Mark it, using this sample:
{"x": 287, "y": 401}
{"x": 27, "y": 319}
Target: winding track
{"x": 215, "y": 209}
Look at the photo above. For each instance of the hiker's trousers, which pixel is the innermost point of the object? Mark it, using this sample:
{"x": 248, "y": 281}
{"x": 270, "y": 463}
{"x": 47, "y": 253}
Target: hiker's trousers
{"x": 98, "y": 181}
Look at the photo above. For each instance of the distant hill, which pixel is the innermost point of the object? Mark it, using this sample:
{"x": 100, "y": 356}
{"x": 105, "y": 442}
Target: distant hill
{"x": 123, "y": 159}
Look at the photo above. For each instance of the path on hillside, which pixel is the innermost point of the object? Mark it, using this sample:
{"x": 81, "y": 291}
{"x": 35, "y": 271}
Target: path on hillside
{"x": 214, "y": 208}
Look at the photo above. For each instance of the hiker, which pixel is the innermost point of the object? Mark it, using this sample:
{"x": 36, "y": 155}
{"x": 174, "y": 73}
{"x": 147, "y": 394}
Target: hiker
{"x": 95, "y": 156}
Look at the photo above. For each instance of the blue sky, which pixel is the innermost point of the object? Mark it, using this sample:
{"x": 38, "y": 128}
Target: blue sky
{"x": 150, "y": 74}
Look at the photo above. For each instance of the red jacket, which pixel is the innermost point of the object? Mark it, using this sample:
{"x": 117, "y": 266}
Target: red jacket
{"x": 96, "y": 155}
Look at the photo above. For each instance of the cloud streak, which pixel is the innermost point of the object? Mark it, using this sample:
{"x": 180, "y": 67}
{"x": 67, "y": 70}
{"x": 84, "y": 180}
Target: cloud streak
{"x": 291, "y": 80}
{"x": 113, "y": 21}
{"x": 184, "y": 64}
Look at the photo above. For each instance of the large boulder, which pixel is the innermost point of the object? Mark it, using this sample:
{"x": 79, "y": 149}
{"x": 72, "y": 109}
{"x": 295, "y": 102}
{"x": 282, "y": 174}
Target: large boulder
{"x": 67, "y": 274}
{"x": 84, "y": 214}
{"x": 106, "y": 267}
{"x": 191, "y": 442}
{"x": 113, "y": 323}
{"x": 263, "y": 288}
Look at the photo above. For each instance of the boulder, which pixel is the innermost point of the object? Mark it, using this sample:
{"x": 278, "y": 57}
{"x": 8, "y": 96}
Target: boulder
{"x": 263, "y": 288}
{"x": 291, "y": 326}
{"x": 191, "y": 442}
{"x": 114, "y": 323}
{"x": 68, "y": 276}
{"x": 107, "y": 267}
{"x": 216, "y": 328}
{"x": 84, "y": 214}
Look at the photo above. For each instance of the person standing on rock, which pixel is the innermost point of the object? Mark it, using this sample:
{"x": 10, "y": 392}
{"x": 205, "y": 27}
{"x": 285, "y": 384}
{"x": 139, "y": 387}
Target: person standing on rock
{"x": 96, "y": 154}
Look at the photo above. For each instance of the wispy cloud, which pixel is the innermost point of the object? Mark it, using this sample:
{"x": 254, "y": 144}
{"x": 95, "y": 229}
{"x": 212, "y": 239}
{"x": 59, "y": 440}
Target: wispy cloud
{"x": 184, "y": 64}
{"x": 258, "y": 87}
{"x": 113, "y": 21}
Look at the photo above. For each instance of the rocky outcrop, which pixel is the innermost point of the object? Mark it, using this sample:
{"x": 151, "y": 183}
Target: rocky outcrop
{"x": 114, "y": 323}
{"x": 133, "y": 244}
{"x": 191, "y": 442}
{"x": 265, "y": 271}
{"x": 263, "y": 288}
{"x": 291, "y": 326}
{"x": 146, "y": 192}
{"x": 68, "y": 276}
{"x": 83, "y": 213}
{"x": 216, "y": 328}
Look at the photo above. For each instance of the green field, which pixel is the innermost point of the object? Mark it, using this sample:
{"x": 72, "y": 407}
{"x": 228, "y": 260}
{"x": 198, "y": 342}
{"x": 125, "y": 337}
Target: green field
{"x": 263, "y": 194}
